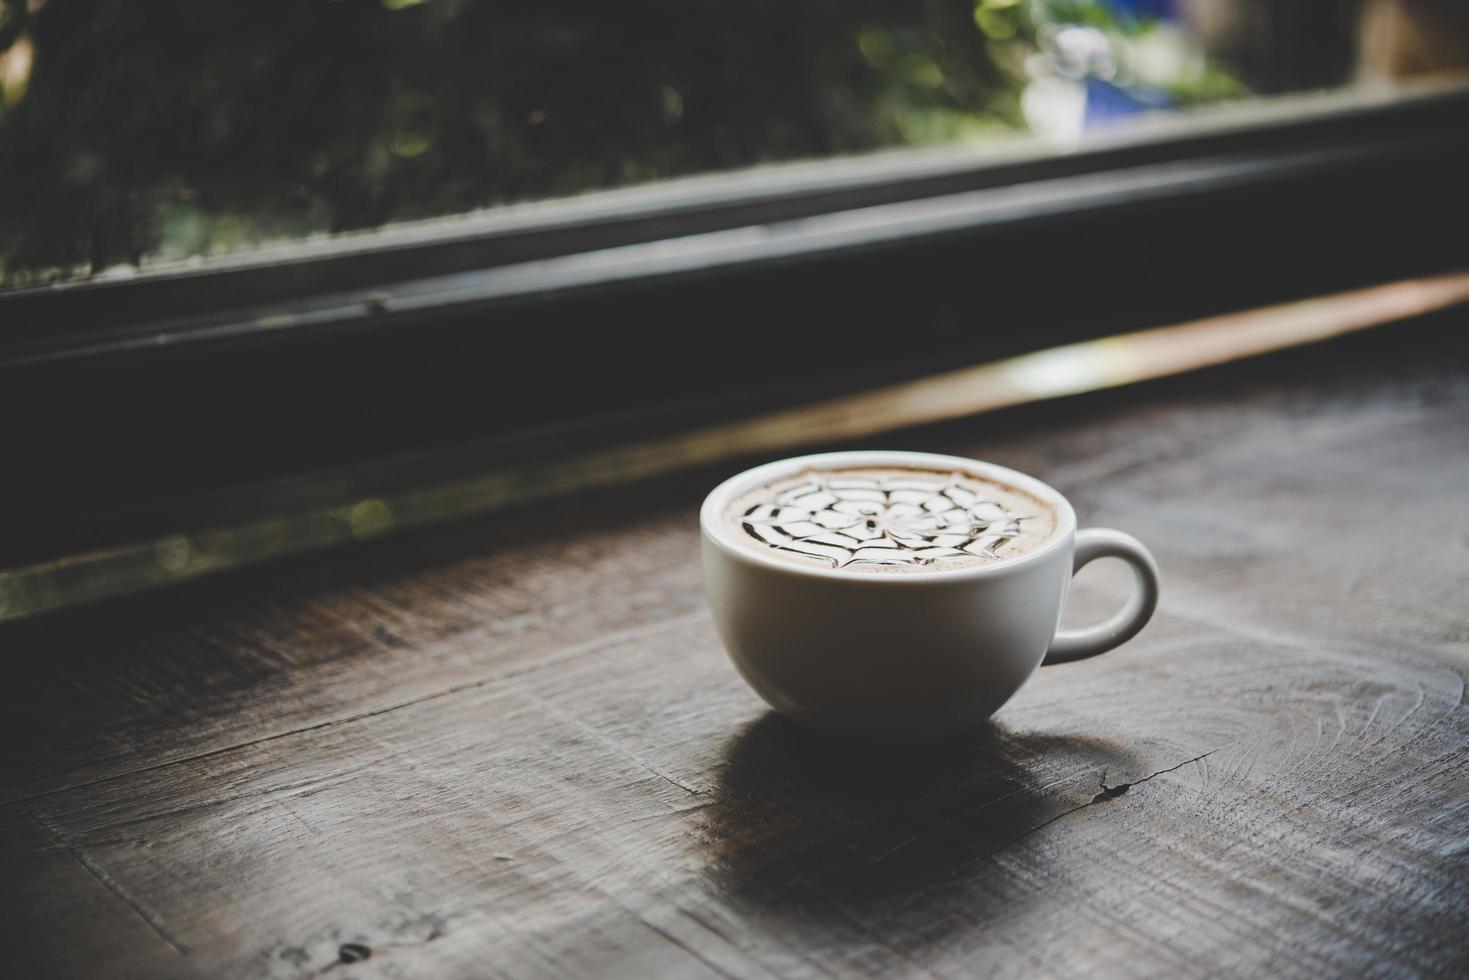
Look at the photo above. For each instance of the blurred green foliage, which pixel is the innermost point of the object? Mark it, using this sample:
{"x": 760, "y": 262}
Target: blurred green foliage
{"x": 176, "y": 128}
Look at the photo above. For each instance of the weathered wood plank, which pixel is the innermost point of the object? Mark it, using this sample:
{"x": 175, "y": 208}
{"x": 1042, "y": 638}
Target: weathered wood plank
{"x": 470, "y": 753}
{"x": 67, "y": 916}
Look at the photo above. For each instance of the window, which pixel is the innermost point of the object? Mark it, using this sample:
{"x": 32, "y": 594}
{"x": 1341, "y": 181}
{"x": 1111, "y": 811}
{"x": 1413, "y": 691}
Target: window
{"x": 146, "y": 139}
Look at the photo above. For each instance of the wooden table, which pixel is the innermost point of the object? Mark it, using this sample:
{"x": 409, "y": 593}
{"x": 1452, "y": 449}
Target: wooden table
{"x": 490, "y": 752}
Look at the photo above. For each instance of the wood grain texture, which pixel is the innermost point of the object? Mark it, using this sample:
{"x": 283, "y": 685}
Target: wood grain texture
{"x": 513, "y": 748}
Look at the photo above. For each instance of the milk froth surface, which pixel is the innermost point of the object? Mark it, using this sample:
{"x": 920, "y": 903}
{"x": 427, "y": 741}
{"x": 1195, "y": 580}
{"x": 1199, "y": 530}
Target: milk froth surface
{"x": 888, "y": 520}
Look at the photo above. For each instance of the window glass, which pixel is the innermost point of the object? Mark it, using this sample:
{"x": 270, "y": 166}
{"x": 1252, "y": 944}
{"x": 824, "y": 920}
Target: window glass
{"x": 134, "y": 135}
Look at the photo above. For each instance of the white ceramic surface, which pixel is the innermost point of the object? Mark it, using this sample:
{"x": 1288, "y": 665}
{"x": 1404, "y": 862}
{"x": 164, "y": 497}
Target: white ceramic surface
{"x": 906, "y": 655}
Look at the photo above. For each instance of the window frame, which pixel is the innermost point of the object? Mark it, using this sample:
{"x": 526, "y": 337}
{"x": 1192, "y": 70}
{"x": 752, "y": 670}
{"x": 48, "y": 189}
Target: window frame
{"x": 135, "y": 374}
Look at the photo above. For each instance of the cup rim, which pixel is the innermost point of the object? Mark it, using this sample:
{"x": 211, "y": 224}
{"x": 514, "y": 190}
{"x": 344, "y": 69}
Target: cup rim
{"x": 711, "y": 513}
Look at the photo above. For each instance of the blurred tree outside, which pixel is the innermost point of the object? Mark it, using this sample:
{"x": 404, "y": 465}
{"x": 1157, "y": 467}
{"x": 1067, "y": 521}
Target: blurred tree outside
{"x": 139, "y": 133}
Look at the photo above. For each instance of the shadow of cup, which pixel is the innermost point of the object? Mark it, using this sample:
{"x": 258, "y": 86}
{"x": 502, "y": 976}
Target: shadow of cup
{"x": 818, "y": 832}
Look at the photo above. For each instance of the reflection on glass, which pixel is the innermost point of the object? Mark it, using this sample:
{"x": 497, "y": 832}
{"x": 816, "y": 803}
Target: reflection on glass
{"x": 195, "y": 129}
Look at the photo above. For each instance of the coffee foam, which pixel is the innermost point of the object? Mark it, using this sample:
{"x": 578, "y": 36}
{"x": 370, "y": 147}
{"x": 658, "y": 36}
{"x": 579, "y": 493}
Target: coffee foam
{"x": 889, "y": 519}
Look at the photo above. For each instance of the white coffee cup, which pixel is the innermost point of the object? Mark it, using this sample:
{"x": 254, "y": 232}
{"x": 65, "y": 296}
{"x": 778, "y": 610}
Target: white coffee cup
{"x": 909, "y": 655}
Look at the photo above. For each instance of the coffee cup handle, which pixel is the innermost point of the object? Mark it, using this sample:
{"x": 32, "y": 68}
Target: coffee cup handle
{"x": 1091, "y": 544}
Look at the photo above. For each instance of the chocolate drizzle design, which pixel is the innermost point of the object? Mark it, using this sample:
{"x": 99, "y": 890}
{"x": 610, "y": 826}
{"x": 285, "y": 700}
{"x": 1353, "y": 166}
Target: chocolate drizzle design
{"x": 861, "y": 521}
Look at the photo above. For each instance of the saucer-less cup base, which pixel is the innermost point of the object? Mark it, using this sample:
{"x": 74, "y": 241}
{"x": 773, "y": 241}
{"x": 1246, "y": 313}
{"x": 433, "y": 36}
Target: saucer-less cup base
{"x": 905, "y": 656}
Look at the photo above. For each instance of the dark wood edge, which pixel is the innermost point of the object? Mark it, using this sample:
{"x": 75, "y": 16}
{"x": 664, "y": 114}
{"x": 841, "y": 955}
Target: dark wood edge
{"x": 827, "y": 236}
{"x": 184, "y": 539}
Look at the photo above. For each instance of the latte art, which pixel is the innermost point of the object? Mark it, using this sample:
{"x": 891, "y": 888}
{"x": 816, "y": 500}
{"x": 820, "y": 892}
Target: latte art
{"x": 889, "y": 520}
